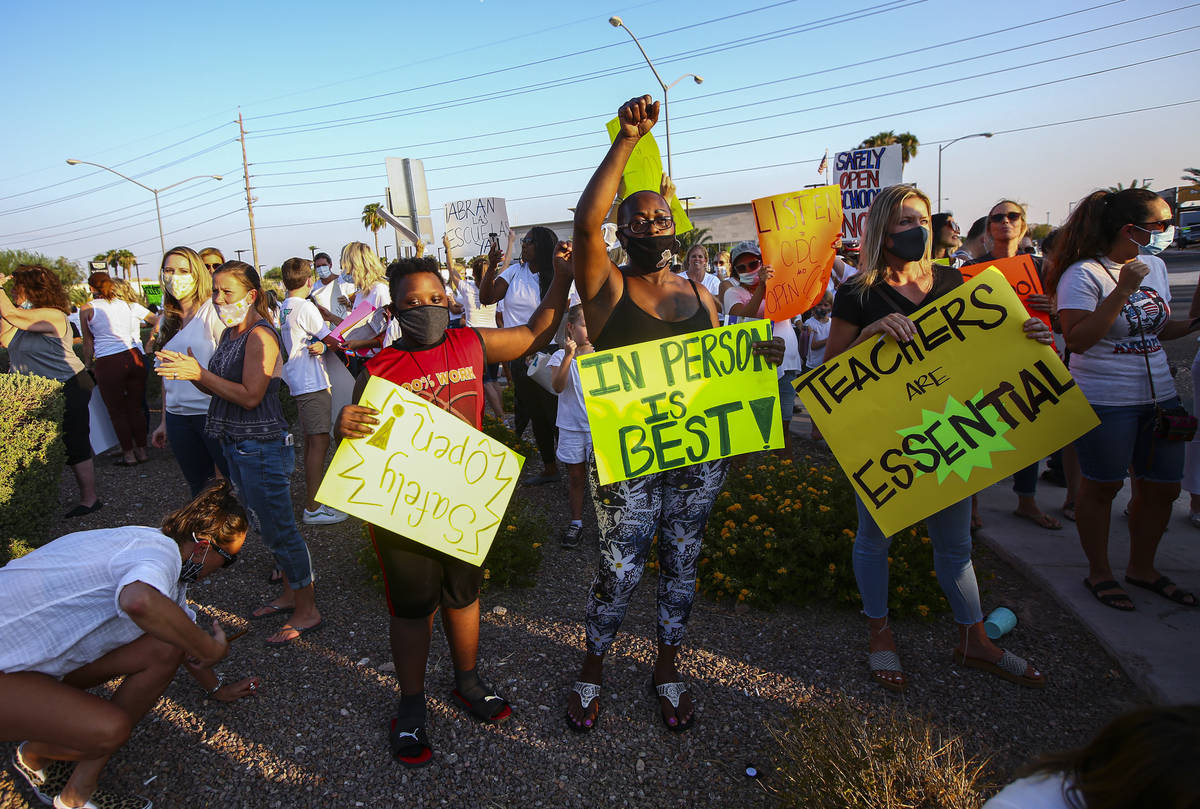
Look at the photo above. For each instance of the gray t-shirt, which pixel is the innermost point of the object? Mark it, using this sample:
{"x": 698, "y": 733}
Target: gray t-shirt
{"x": 1113, "y": 371}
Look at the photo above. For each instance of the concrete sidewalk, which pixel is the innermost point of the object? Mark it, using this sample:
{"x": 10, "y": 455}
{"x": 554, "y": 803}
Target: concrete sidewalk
{"x": 1158, "y": 644}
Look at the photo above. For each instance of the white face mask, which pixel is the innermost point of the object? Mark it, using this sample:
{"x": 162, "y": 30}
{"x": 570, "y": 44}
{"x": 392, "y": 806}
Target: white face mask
{"x": 324, "y": 271}
{"x": 232, "y": 314}
{"x": 179, "y": 285}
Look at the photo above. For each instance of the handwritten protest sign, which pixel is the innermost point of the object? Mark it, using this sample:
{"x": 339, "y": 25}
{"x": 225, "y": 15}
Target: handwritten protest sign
{"x": 681, "y": 400}
{"x": 796, "y": 233}
{"x": 361, "y": 314}
{"x": 470, "y": 223}
{"x": 1021, "y": 275}
{"x": 861, "y": 174}
{"x": 424, "y": 474}
{"x": 644, "y": 172}
{"x": 918, "y": 426}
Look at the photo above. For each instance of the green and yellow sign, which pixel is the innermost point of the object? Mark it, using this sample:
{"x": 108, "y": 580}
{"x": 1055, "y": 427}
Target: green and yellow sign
{"x": 681, "y": 400}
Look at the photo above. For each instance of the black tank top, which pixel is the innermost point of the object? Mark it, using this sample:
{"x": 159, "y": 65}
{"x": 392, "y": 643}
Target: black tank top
{"x": 629, "y": 323}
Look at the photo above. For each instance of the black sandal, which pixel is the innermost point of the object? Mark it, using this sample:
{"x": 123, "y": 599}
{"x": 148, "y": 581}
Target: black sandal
{"x": 490, "y": 708}
{"x": 1113, "y": 600}
{"x": 1160, "y": 586}
{"x": 410, "y": 745}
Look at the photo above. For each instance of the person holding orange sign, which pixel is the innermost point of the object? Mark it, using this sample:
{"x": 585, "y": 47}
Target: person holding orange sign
{"x": 1006, "y": 227}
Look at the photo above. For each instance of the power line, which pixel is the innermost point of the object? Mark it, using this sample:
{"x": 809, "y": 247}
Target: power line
{"x": 721, "y": 92}
{"x": 547, "y": 60}
{"x": 741, "y": 42}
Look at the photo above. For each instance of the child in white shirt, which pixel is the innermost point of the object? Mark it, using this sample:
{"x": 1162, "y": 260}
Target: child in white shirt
{"x": 574, "y": 435}
{"x": 301, "y": 327}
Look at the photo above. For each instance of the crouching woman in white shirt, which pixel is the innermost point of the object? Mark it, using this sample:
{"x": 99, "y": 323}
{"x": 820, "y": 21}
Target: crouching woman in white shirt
{"x": 95, "y": 606}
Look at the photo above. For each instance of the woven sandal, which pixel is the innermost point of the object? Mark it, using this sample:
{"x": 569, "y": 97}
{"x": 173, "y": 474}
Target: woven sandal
{"x": 1009, "y": 667}
{"x": 887, "y": 660}
{"x": 672, "y": 692}
{"x": 588, "y": 693}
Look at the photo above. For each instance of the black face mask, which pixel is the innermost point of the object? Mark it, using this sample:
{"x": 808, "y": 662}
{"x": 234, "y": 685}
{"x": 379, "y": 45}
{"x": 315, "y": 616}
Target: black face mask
{"x": 649, "y": 254}
{"x": 423, "y": 325}
{"x": 909, "y": 244}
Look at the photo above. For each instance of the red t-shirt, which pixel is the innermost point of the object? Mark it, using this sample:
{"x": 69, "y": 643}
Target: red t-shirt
{"x": 449, "y": 373}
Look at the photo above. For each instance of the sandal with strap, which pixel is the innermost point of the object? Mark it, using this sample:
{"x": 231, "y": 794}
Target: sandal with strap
{"x": 491, "y": 708}
{"x": 672, "y": 692}
{"x": 410, "y": 745}
{"x": 588, "y": 693}
{"x": 1118, "y": 601}
{"x": 886, "y": 660}
{"x": 1161, "y": 586}
{"x": 1009, "y": 667}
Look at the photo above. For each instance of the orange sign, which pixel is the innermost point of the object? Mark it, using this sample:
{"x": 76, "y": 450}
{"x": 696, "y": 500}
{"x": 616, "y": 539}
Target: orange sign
{"x": 1021, "y": 275}
{"x": 796, "y": 233}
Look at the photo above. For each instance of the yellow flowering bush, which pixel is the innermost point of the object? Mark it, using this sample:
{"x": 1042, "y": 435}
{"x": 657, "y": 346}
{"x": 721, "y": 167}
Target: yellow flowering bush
{"x": 783, "y": 533}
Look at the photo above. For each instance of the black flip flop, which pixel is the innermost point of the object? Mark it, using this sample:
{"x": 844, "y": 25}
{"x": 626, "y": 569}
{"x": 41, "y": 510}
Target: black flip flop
{"x": 1110, "y": 599}
{"x": 274, "y": 611}
{"x": 82, "y": 510}
{"x": 300, "y": 631}
{"x": 1160, "y": 585}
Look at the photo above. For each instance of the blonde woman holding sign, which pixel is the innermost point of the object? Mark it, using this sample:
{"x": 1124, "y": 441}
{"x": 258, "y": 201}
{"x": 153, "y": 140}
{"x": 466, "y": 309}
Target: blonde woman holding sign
{"x": 896, "y": 278}
{"x": 642, "y": 301}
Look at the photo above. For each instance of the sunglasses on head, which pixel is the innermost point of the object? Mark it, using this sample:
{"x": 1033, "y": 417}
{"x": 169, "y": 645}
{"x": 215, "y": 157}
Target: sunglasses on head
{"x": 1011, "y": 216}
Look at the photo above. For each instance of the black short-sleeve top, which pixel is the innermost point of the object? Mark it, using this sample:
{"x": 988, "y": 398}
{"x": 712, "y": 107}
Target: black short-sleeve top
{"x": 880, "y": 300}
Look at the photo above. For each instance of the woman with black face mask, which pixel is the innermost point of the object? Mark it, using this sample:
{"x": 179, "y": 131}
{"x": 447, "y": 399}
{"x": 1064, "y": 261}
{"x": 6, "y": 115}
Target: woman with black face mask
{"x": 419, "y": 579}
{"x": 896, "y": 278}
{"x": 639, "y": 302}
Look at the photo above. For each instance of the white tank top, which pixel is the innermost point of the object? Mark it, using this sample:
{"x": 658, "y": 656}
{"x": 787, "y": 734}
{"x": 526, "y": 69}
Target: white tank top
{"x": 111, "y": 325}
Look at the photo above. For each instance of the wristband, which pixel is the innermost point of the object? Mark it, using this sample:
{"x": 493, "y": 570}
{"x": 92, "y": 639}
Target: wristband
{"x": 212, "y": 692}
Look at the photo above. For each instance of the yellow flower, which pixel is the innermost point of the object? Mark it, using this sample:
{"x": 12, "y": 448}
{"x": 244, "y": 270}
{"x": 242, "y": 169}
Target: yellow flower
{"x": 832, "y": 568}
{"x": 537, "y": 545}
{"x": 510, "y": 528}
{"x": 781, "y": 571}
{"x": 768, "y": 545}
{"x": 724, "y": 533}
{"x": 745, "y": 592}
{"x": 753, "y": 518}
{"x": 823, "y": 507}
{"x": 921, "y": 608}
{"x": 733, "y": 552}
{"x": 848, "y": 532}
{"x": 924, "y": 540}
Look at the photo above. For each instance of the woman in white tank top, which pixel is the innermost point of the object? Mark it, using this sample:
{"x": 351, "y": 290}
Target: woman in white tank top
{"x": 112, "y": 355}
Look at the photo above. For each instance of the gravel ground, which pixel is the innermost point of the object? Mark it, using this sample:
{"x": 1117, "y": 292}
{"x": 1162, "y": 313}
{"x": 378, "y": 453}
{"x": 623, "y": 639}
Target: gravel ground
{"x": 315, "y": 735}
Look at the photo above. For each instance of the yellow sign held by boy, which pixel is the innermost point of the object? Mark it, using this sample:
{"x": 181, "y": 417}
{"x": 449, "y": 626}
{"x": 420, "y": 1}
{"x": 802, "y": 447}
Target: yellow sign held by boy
{"x": 425, "y": 474}
{"x": 681, "y": 400}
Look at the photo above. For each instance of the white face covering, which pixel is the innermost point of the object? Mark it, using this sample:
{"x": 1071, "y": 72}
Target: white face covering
{"x": 179, "y": 285}
{"x": 232, "y": 314}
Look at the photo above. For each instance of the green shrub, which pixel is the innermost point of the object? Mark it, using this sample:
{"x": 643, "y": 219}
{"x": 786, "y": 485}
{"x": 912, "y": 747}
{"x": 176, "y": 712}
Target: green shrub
{"x": 31, "y": 459}
{"x": 834, "y": 755}
{"x": 783, "y": 531}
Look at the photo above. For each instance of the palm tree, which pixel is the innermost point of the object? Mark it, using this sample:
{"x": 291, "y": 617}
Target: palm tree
{"x": 126, "y": 260}
{"x": 1134, "y": 183}
{"x": 113, "y": 260}
{"x": 373, "y": 222}
{"x": 907, "y": 140}
{"x": 312, "y": 248}
{"x": 692, "y": 238}
{"x": 1191, "y": 176}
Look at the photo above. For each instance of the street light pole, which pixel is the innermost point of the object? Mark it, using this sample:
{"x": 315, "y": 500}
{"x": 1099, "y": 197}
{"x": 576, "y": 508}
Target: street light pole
{"x": 162, "y": 239}
{"x": 942, "y": 148}
{"x": 616, "y": 22}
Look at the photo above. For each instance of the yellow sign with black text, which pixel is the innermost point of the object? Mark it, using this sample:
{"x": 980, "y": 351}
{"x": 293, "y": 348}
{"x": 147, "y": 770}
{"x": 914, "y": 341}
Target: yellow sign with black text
{"x": 920, "y": 425}
{"x": 681, "y": 400}
{"x": 425, "y": 474}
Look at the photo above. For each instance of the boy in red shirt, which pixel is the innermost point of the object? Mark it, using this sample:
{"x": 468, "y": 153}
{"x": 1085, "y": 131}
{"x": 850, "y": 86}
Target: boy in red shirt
{"x": 419, "y": 579}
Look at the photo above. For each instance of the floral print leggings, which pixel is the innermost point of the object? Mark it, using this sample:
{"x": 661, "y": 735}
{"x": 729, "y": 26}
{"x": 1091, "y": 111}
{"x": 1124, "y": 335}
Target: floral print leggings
{"x": 674, "y": 505}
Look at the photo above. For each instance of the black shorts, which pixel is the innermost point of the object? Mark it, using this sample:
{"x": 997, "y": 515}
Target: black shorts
{"x": 491, "y": 372}
{"x": 77, "y": 392}
{"x": 419, "y": 579}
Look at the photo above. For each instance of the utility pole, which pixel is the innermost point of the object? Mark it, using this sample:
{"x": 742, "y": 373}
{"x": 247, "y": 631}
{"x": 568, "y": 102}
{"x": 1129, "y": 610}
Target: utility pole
{"x": 249, "y": 200}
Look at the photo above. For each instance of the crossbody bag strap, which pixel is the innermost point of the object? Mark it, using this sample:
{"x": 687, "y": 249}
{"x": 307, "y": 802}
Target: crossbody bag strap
{"x": 1142, "y": 331}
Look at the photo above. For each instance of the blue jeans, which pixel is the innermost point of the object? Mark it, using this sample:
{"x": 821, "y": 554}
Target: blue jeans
{"x": 1025, "y": 480}
{"x": 195, "y": 452}
{"x": 950, "y": 533}
{"x": 1125, "y": 438}
{"x": 261, "y": 472}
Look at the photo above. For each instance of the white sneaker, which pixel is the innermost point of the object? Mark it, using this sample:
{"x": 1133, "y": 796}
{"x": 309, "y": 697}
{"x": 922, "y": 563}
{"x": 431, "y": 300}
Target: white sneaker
{"x": 323, "y": 515}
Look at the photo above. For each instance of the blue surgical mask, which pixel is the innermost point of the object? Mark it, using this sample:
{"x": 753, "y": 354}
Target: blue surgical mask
{"x": 1158, "y": 241}
{"x": 26, "y": 304}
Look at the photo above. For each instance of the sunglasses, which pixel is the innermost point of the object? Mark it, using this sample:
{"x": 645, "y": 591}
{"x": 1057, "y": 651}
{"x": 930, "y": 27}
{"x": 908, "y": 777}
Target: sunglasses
{"x": 750, "y": 266}
{"x": 1155, "y": 227}
{"x": 212, "y": 266}
{"x": 229, "y": 558}
{"x": 1011, "y": 216}
{"x": 640, "y": 226}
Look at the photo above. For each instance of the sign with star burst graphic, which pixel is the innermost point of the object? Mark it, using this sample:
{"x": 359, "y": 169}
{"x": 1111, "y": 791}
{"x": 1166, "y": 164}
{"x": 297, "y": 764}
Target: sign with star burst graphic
{"x": 921, "y": 425}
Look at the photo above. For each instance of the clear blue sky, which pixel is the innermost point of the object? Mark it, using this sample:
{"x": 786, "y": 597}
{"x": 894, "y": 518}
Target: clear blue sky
{"x": 509, "y": 99}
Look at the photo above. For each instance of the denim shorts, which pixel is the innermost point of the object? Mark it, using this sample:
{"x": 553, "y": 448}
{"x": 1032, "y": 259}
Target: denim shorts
{"x": 1125, "y": 438}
